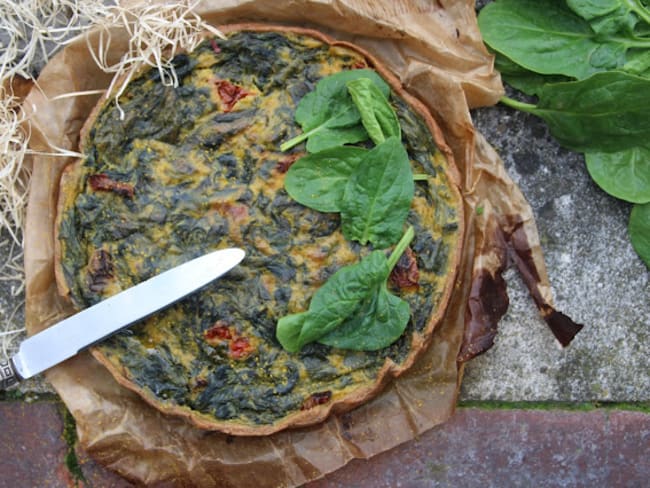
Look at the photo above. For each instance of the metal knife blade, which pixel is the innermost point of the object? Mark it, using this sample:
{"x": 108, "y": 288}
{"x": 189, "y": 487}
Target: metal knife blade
{"x": 66, "y": 338}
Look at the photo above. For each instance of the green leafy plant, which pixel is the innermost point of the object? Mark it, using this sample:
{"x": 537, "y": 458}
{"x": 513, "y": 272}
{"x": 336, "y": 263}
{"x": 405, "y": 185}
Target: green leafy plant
{"x": 378, "y": 195}
{"x": 318, "y": 180}
{"x": 353, "y": 309}
{"x": 638, "y": 229}
{"x": 588, "y": 62}
{"x": 547, "y": 37}
{"x": 328, "y": 115}
{"x": 372, "y": 189}
{"x": 601, "y": 113}
{"x": 623, "y": 174}
{"x": 377, "y": 116}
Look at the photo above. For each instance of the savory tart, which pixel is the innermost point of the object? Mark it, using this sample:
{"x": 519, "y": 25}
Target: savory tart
{"x": 170, "y": 173}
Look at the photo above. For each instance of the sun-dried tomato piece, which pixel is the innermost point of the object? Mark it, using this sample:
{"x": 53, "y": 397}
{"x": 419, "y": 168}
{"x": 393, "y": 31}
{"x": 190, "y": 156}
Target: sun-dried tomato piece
{"x": 230, "y": 94}
{"x": 240, "y": 347}
{"x": 285, "y": 163}
{"x": 318, "y": 398}
{"x": 224, "y": 335}
{"x": 102, "y": 182}
{"x": 100, "y": 270}
{"x": 406, "y": 274}
{"x": 220, "y": 330}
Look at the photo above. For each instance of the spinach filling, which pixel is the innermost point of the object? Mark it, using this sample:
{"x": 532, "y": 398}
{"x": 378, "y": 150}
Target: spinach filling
{"x": 194, "y": 175}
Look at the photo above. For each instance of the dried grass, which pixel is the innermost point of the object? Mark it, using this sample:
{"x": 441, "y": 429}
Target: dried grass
{"x": 157, "y": 29}
{"x": 31, "y": 31}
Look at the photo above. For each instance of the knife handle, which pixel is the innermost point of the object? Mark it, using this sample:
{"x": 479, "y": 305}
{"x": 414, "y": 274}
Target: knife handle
{"x": 8, "y": 374}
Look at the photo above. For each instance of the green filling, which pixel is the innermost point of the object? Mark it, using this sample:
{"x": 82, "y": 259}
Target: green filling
{"x": 202, "y": 182}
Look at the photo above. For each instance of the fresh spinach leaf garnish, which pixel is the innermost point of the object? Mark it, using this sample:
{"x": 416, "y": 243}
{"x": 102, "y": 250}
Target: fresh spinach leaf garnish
{"x": 377, "y": 116}
{"x": 319, "y": 180}
{"x": 353, "y": 309}
{"x": 328, "y": 116}
{"x": 588, "y": 62}
{"x": 373, "y": 190}
{"x": 378, "y": 195}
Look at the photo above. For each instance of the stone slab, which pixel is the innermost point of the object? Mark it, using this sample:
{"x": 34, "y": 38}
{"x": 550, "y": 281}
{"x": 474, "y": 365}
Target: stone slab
{"x": 596, "y": 277}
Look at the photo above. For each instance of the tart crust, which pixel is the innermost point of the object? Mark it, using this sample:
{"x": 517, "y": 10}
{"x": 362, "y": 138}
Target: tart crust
{"x": 72, "y": 184}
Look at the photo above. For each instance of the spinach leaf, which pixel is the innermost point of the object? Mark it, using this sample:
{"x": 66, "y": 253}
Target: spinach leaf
{"x": 377, "y": 116}
{"x": 328, "y": 116}
{"x": 623, "y": 174}
{"x": 337, "y": 299}
{"x": 638, "y": 62}
{"x": 318, "y": 180}
{"x": 342, "y": 295}
{"x": 288, "y": 331}
{"x": 546, "y": 37}
{"x": 639, "y": 230}
{"x": 522, "y": 79}
{"x": 605, "y": 45}
{"x": 380, "y": 320}
{"x": 604, "y": 112}
{"x": 378, "y": 195}
{"x": 355, "y": 300}
{"x": 607, "y": 17}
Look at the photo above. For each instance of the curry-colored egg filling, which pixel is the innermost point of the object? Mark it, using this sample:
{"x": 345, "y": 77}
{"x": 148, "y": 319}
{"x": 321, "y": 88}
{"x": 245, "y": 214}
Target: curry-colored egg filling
{"x": 198, "y": 167}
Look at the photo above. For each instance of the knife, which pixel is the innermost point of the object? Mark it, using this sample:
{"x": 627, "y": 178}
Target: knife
{"x": 94, "y": 324}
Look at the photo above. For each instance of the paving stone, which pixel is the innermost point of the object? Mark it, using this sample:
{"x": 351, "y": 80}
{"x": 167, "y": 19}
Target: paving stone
{"x": 596, "y": 277}
{"x": 32, "y": 438}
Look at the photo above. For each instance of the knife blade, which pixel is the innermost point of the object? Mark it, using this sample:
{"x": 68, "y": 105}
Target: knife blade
{"x": 94, "y": 324}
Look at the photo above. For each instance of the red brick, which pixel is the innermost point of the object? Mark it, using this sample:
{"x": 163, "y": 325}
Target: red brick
{"x": 514, "y": 448}
{"x": 33, "y": 446}
{"x": 35, "y": 450}
{"x": 541, "y": 448}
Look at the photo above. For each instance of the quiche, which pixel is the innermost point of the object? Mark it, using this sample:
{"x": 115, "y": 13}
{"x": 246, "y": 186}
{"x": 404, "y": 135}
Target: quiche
{"x": 172, "y": 172}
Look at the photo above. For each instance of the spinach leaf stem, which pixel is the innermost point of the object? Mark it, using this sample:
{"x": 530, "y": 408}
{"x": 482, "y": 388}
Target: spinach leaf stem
{"x": 524, "y": 107}
{"x": 638, "y": 8}
{"x": 296, "y": 140}
{"x": 400, "y": 247}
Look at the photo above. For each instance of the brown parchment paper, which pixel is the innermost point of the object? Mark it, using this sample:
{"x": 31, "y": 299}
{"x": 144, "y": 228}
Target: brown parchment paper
{"x": 435, "y": 49}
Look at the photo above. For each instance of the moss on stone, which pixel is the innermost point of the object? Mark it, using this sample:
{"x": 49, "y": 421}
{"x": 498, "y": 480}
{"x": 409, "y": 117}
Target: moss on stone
{"x": 70, "y": 438}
